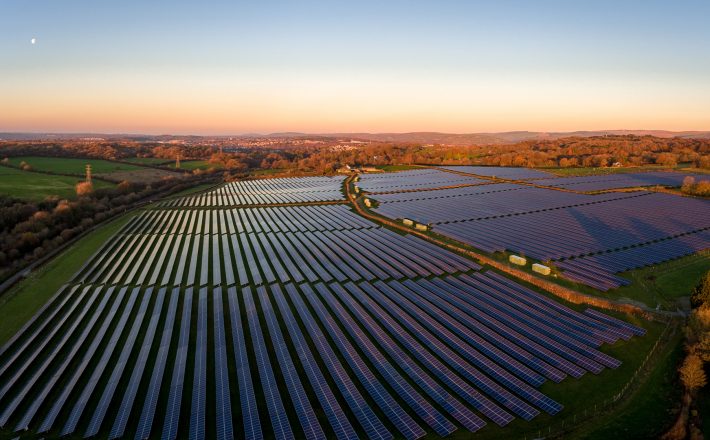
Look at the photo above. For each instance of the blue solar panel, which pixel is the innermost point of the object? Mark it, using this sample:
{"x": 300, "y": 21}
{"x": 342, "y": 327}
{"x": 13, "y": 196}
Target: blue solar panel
{"x": 404, "y": 423}
{"x": 369, "y": 421}
{"x": 250, "y": 412}
{"x": 172, "y": 412}
{"x": 304, "y": 411}
{"x": 199, "y": 381}
{"x": 151, "y": 399}
{"x": 131, "y": 390}
{"x": 223, "y": 403}
{"x": 279, "y": 418}
{"x": 97, "y": 417}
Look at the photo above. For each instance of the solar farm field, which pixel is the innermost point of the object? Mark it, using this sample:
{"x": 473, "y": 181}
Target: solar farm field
{"x": 511, "y": 173}
{"x": 614, "y": 181}
{"x": 213, "y": 317}
{"x": 589, "y": 237}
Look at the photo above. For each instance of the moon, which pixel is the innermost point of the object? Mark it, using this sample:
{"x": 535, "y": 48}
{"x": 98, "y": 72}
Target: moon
{"x": 33, "y": 41}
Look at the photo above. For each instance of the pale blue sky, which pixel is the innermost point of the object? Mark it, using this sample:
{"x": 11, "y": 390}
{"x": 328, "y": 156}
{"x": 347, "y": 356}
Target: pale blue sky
{"x": 234, "y": 66}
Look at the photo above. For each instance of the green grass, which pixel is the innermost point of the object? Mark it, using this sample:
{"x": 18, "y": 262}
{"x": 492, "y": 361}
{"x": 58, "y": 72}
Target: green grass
{"x": 38, "y": 186}
{"x": 392, "y": 168}
{"x": 651, "y": 408}
{"x": 588, "y": 171}
{"x": 194, "y": 164}
{"x": 580, "y": 395}
{"x": 663, "y": 283}
{"x": 147, "y": 160}
{"x": 25, "y": 298}
{"x": 72, "y": 166}
{"x": 194, "y": 189}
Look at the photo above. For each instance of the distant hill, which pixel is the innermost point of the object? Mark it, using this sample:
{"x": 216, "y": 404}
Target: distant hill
{"x": 508, "y": 137}
{"x": 423, "y": 137}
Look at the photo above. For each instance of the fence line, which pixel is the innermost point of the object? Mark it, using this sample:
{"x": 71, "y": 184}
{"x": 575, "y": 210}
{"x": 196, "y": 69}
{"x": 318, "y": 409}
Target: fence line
{"x": 571, "y": 422}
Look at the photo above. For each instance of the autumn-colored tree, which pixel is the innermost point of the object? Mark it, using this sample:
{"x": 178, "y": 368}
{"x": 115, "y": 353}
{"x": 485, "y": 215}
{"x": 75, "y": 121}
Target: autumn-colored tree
{"x": 84, "y": 188}
{"x": 701, "y": 293}
{"x": 692, "y": 373}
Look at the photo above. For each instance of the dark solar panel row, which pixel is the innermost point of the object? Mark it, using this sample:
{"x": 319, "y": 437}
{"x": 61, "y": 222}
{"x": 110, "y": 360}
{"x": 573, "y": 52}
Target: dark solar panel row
{"x": 199, "y": 381}
{"x": 156, "y": 377}
{"x": 240, "y": 220}
{"x": 38, "y": 350}
{"x": 429, "y": 341}
{"x": 620, "y": 180}
{"x": 354, "y": 254}
{"x": 438, "y": 394}
{"x": 119, "y": 366}
{"x": 336, "y": 417}
{"x": 367, "y": 418}
{"x": 130, "y": 392}
{"x": 406, "y": 392}
{"x": 177, "y": 382}
{"x": 279, "y": 419}
{"x": 399, "y": 418}
{"x": 88, "y": 353}
{"x": 513, "y": 173}
{"x": 250, "y": 411}
{"x": 81, "y": 402}
{"x": 266, "y": 191}
{"x": 304, "y": 410}
{"x": 426, "y": 357}
{"x": 223, "y": 403}
{"x": 414, "y": 180}
{"x": 68, "y": 335}
{"x": 449, "y": 206}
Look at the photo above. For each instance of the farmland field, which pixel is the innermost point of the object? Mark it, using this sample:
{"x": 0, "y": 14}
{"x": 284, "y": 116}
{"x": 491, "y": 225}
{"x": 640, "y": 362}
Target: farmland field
{"x": 194, "y": 165}
{"x": 37, "y": 186}
{"x": 256, "y": 310}
{"x": 148, "y": 160}
{"x": 66, "y": 165}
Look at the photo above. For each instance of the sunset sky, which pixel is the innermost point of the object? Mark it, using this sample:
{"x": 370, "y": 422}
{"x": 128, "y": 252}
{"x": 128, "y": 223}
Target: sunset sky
{"x": 230, "y": 67}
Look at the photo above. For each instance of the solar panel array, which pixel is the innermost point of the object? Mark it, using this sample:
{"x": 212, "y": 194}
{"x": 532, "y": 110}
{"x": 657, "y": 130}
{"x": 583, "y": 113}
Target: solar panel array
{"x": 591, "y": 238}
{"x": 293, "y": 322}
{"x": 621, "y": 180}
{"x": 604, "y": 232}
{"x": 266, "y": 191}
{"x": 414, "y": 180}
{"x": 513, "y": 173}
{"x": 484, "y": 202}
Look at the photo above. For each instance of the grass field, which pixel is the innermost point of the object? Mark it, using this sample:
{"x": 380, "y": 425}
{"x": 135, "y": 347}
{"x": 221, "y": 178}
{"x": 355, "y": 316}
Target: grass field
{"x": 588, "y": 171}
{"x": 194, "y": 164}
{"x": 37, "y": 186}
{"x": 392, "y": 168}
{"x": 147, "y": 160}
{"x": 24, "y": 299}
{"x": 664, "y": 283}
{"x": 71, "y": 165}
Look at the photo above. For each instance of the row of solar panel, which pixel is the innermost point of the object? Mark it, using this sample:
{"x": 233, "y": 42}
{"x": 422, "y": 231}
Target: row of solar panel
{"x": 592, "y": 269}
{"x": 226, "y": 259}
{"x": 488, "y": 205}
{"x": 622, "y": 180}
{"x": 266, "y": 191}
{"x": 239, "y": 220}
{"x": 454, "y": 351}
{"x": 512, "y": 173}
{"x": 414, "y": 180}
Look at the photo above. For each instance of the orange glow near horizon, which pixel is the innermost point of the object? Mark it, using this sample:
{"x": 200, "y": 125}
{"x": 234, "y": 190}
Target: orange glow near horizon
{"x": 234, "y": 103}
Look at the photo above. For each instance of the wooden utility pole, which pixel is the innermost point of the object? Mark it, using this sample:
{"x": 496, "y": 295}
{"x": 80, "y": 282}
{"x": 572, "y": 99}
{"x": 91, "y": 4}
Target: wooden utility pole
{"x": 88, "y": 172}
